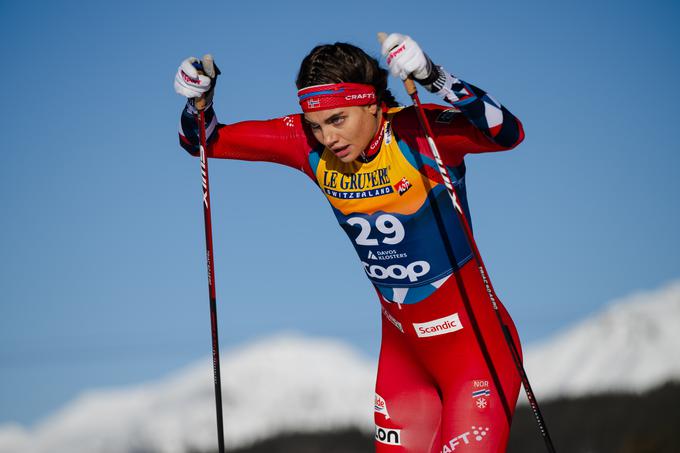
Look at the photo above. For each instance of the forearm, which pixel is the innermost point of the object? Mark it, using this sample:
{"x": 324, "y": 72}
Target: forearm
{"x": 188, "y": 128}
{"x": 482, "y": 110}
{"x": 280, "y": 140}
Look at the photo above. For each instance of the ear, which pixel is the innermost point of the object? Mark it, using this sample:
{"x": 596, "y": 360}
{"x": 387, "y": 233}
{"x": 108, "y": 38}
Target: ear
{"x": 373, "y": 109}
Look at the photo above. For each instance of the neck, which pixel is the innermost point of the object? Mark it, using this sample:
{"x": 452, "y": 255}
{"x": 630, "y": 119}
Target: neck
{"x": 374, "y": 145}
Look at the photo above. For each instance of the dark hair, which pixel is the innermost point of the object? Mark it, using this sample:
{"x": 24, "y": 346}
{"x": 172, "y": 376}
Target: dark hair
{"x": 343, "y": 62}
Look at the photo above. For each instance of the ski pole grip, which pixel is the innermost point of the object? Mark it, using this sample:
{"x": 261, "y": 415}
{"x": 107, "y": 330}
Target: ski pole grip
{"x": 200, "y": 103}
{"x": 409, "y": 84}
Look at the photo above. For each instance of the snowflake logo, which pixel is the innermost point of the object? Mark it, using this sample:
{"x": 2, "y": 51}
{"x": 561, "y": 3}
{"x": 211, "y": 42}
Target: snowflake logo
{"x": 481, "y": 403}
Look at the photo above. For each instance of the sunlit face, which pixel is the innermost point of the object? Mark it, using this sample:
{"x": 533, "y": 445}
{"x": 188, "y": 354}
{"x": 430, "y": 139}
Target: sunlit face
{"x": 347, "y": 131}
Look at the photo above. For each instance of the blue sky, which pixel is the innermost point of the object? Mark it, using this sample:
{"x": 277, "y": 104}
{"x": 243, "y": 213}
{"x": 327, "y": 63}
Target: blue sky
{"x": 102, "y": 276}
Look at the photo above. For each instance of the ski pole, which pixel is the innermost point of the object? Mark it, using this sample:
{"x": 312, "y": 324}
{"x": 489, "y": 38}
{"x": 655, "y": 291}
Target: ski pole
{"x": 412, "y": 91}
{"x": 200, "y": 118}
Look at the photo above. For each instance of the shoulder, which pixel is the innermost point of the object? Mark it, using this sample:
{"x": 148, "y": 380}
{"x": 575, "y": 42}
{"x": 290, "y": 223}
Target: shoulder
{"x": 406, "y": 119}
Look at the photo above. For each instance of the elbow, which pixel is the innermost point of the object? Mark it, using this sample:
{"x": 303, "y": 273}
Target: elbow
{"x": 189, "y": 147}
{"x": 511, "y": 133}
{"x": 520, "y": 133}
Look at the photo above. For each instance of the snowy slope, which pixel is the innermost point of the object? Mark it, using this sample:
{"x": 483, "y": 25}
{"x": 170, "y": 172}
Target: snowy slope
{"x": 633, "y": 345}
{"x": 294, "y": 383}
{"x": 281, "y": 384}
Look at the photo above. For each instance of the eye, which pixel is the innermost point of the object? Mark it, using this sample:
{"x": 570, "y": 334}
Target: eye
{"x": 314, "y": 127}
{"x": 338, "y": 120}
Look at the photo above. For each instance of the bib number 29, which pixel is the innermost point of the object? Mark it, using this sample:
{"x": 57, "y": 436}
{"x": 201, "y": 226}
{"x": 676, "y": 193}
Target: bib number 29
{"x": 387, "y": 224}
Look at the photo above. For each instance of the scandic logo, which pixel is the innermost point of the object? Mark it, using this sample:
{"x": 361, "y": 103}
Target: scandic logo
{"x": 381, "y": 406}
{"x": 387, "y": 436}
{"x": 439, "y": 326}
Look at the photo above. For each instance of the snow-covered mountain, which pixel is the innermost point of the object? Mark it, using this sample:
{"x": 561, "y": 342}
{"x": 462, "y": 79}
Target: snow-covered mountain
{"x": 633, "y": 345}
{"x": 283, "y": 383}
{"x": 295, "y": 383}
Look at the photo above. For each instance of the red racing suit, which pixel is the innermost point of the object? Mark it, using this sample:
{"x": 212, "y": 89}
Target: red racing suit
{"x": 446, "y": 379}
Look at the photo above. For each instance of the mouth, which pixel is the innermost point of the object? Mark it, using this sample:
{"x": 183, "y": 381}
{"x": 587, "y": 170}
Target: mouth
{"x": 341, "y": 151}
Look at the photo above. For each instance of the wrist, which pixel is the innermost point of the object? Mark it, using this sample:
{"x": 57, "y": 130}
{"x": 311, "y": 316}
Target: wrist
{"x": 433, "y": 72}
{"x": 191, "y": 105}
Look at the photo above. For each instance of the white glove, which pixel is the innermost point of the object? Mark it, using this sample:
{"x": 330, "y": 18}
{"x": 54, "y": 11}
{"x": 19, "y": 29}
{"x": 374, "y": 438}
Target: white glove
{"x": 189, "y": 83}
{"x": 405, "y": 57}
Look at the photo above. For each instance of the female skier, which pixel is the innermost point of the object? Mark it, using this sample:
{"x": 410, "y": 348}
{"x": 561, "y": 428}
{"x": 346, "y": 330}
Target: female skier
{"x": 446, "y": 378}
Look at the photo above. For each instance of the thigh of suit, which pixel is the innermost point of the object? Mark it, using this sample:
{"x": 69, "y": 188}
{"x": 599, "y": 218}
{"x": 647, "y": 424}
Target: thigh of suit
{"x": 446, "y": 374}
{"x": 408, "y": 405}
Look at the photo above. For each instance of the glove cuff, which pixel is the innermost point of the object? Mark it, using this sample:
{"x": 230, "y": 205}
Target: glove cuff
{"x": 191, "y": 105}
{"x": 436, "y": 81}
{"x": 432, "y": 73}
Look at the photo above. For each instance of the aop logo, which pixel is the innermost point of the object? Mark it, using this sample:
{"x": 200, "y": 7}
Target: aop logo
{"x": 439, "y": 326}
{"x": 402, "y": 186}
{"x": 387, "y": 436}
{"x": 397, "y": 271}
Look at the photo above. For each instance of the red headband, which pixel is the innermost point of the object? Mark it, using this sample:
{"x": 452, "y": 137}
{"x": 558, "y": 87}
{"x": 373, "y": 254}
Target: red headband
{"x": 333, "y": 95}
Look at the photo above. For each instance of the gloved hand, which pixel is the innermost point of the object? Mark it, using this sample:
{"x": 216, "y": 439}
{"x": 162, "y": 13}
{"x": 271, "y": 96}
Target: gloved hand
{"x": 195, "y": 79}
{"x": 405, "y": 58}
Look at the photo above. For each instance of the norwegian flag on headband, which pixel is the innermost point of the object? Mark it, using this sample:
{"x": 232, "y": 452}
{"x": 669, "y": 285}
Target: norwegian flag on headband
{"x": 334, "y": 95}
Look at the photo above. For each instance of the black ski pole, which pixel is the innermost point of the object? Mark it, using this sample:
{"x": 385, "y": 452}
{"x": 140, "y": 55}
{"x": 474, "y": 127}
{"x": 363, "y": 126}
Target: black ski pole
{"x": 200, "y": 117}
{"x": 412, "y": 91}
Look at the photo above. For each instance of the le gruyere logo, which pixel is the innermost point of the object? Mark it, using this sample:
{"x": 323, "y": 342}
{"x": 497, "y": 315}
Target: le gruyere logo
{"x": 357, "y": 185}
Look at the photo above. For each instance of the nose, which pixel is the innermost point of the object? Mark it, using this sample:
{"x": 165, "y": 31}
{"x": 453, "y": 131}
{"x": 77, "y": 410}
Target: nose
{"x": 330, "y": 138}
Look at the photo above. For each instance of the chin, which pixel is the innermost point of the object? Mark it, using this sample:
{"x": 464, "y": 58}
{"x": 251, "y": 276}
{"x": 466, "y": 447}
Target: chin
{"x": 350, "y": 157}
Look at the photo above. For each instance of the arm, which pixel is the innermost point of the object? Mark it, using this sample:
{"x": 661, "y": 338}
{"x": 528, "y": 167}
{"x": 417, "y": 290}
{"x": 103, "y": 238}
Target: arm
{"x": 454, "y": 133}
{"x": 501, "y": 128}
{"x": 481, "y": 123}
{"x": 281, "y": 140}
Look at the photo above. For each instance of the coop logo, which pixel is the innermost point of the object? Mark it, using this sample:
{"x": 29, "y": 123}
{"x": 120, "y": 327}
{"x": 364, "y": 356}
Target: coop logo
{"x": 381, "y": 406}
{"x": 387, "y": 436}
{"x": 439, "y": 326}
{"x": 411, "y": 272}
